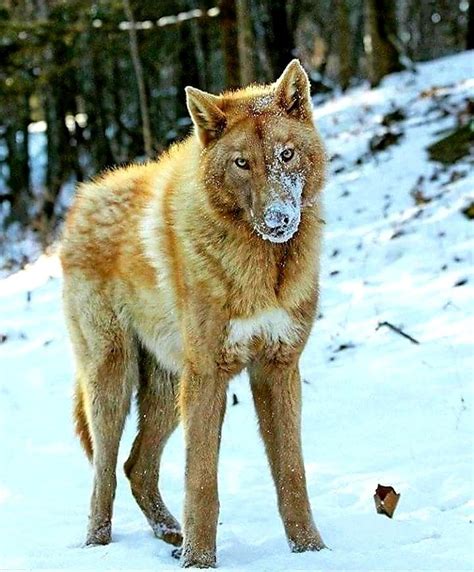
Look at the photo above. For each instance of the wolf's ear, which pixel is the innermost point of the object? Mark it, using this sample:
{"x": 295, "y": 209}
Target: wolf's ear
{"x": 207, "y": 117}
{"x": 292, "y": 91}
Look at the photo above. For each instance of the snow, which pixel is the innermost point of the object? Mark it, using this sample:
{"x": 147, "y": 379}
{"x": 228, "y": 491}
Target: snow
{"x": 261, "y": 103}
{"x": 377, "y": 407}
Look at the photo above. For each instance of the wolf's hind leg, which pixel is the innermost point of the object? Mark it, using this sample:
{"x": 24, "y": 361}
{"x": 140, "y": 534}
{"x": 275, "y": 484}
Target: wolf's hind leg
{"x": 108, "y": 383}
{"x": 107, "y": 368}
{"x": 157, "y": 420}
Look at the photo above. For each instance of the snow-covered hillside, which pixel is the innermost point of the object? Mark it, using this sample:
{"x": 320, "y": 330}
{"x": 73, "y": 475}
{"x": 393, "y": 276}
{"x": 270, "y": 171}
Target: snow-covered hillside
{"x": 378, "y": 407}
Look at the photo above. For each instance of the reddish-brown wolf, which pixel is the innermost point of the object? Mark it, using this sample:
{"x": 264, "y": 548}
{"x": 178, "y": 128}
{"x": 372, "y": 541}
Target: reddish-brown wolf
{"x": 178, "y": 274}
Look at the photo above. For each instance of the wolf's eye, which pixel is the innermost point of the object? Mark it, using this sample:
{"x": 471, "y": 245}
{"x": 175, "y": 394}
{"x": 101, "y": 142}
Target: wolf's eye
{"x": 287, "y": 154}
{"x": 242, "y": 163}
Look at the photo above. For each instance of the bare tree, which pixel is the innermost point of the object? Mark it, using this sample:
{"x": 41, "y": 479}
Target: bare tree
{"x": 380, "y": 39}
{"x": 278, "y": 36}
{"x": 470, "y": 27}
{"x": 137, "y": 66}
{"x": 246, "y": 41}
{"x": 344, "y": 41}
{"x": 230, "y": 42}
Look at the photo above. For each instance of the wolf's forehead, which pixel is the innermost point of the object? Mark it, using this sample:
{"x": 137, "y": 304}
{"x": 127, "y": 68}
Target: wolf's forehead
{"x": 249, "y": 104}
{"x": 261, "y": 104}
{"x": 262, "y": 133}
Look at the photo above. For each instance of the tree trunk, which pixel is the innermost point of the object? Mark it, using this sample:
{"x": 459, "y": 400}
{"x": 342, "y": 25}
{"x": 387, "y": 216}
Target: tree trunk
{"x": 279, "y": 38}
{"x": 96, "y": 97}
{"x": 199, "y": 54}
{"x": 380, "y": 41}
{"x": 246, "y": 41}
{"x": 470, "y": 27}
{"x": 137, "y": 66}
{"x": 344, "y": 39}
{"x": 185, "y": 73}
{"x": 62, "y": 159}
{"x": 60, "y": 163}
{"x": 230, "y": 42}
{"x": 16, "y": 139}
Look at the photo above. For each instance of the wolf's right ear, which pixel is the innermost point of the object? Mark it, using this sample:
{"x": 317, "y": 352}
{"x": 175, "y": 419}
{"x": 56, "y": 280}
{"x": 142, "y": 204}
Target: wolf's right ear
{"x": 292, "y": 91}
{"x": 204, "y": 110}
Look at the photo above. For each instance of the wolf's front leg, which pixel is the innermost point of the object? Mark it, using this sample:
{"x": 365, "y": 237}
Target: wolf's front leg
{"x": 202, "y": 404}
{"x": 276, "y": 389}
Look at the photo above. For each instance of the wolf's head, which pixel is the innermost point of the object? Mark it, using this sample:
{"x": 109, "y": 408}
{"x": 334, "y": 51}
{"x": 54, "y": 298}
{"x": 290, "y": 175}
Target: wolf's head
{"x": 262, "y": 160}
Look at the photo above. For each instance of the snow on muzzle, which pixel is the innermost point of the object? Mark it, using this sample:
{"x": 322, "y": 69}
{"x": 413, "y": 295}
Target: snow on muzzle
{"x": 280, "y": 221}
{"x": 281, "y": 214}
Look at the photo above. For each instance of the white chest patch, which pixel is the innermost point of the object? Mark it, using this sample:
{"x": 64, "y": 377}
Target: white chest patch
{"x": 272, "y": 325}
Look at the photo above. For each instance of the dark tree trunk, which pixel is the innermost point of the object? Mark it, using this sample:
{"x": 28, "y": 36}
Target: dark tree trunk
{"x": 470, "y": 27}
{"x": 201, "y": 47}
{"x": 16, "y": 139}
{"x": 185, "y": 74}
{"x": 58, "y": 150}
{"x": 344, "y": 48}
{"x": 246, "y": 40}
{"x": 97, "y": 114}
{"x": 230, "y": 42}
{"x": 140, "y": 80}
{"x": 358, "y": 43}
{"x": 381, "y": 45}
{"x": 120, "y": 141}
{"x": 279, "y": 38}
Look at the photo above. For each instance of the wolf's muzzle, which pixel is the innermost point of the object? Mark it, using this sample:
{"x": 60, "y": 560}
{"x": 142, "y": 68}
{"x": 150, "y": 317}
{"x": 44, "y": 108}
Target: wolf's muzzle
{"x": 278, "y": 216}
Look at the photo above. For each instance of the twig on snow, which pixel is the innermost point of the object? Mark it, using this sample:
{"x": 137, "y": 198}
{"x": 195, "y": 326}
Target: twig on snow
{"x": 398, "y": 331}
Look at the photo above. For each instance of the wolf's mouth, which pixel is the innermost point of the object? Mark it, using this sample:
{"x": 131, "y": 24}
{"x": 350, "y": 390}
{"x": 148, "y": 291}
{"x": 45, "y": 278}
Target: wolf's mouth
{"x": 277, "y": 235}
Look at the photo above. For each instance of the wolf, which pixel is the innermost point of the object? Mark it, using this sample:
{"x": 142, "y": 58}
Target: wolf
{"x": 180, "y": 273}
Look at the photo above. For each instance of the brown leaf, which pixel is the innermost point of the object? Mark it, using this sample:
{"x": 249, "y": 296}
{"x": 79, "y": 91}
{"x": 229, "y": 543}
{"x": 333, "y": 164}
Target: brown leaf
{"x": 386, "y": 500}
{"x": 468, "y": 211}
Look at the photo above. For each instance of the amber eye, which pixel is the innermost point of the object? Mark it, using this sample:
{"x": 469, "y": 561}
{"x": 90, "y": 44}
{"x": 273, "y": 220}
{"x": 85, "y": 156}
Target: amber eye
{"x": 242, "y": 163}
{"x": 287, "y": 154}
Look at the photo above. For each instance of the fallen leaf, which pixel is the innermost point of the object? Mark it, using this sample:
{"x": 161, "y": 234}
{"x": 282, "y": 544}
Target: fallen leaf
{"x": 468, "y": 211}
{"x": 386, "y": 500}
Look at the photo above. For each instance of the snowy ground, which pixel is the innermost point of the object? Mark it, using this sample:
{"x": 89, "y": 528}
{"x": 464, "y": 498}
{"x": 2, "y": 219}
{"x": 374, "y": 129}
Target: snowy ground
{"x": 377, "y": 407}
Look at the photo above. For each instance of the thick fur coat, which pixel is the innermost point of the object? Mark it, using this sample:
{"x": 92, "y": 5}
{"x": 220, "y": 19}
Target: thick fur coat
{"x": 178, "y": 274}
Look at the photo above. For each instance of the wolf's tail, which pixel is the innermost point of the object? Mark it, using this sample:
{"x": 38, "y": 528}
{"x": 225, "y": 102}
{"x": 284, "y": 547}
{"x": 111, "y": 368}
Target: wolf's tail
{"x": 80, "y": 422}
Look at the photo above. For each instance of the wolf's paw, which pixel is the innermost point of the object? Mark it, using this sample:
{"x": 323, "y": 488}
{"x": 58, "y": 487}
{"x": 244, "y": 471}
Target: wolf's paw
{"x": 99, "y": 535}
{"x": 307, "y": 542}
{"x": 170, "y": 534}
{"x": 173, "y": 537}
{"x": 197, "y": 559}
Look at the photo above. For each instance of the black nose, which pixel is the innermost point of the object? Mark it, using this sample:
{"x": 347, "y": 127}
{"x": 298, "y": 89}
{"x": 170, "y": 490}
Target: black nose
{"x": 277, "y": 216}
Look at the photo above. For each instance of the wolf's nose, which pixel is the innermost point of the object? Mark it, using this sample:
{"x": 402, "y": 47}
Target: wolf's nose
{"x": 277, "y": 216}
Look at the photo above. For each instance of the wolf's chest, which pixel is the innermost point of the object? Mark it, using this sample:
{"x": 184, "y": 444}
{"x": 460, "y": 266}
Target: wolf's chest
{"x": 270, "y": 325}
{"x": 244, "y": 336}
{"x": 239, "y": 338}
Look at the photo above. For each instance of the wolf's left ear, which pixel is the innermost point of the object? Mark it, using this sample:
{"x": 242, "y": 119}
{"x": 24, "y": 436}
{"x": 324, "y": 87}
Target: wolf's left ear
{"x": 292, "y": 91}
{"x": 207, "y": 117}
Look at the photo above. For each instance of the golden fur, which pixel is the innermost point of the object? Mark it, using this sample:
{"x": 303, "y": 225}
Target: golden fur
{"x": 178, "y": 274}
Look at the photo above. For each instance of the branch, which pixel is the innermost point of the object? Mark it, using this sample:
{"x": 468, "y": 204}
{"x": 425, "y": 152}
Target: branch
{"x": 398, "y": 331}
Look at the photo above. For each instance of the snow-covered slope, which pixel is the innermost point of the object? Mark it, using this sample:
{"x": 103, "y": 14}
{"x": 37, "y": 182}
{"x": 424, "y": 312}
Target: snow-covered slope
{"x": 378, "y": 408}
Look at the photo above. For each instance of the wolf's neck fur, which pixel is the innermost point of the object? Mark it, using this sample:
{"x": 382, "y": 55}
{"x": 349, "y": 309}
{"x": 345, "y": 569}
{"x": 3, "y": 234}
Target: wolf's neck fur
{"x": 265, "y": 269}
{"x": 194, "y": 245}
